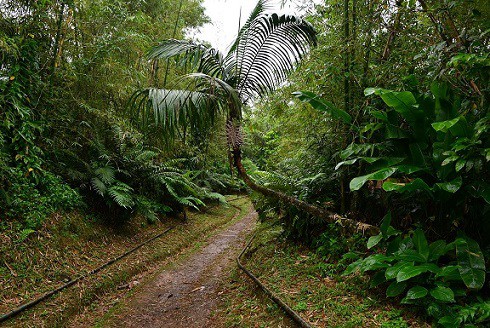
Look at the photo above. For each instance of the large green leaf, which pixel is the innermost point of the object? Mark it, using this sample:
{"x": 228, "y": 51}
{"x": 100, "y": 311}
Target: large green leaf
{"x": 420, "y": 243}
{"x": 485, "y": 194}
{"x": 416, "y": 292}
{"x": 451, "y": 186}
{"x": 382, "y": 161}
{"x": 417, "y": 154}
{"x": 444, "y": 126}
{"x": 403, "y": 102}
{"x": 392, "y": 271}
{"x": 409, "y": 272}
{"x": 322, "y": 105}
{"x": 353, "y": 267}
{"x": 436, "y": 250}
{"x": 349, "y": 162}
{"x": 457, "y": 127}
{"x": 395, "y": 288}
{"x": 374, "y": 240}
{"x": 401, "y": 187}
{"x": 375, "y": 262}
{"x": 451, "y": 321}
{"x": 471, "y": 262}
{"x": 382, "y": 174}
{"x": 386, "y": 229}
{"x": 450, "y": 272}
{"x": 411, "y": 255}
{"x": 408, "y": 169}
{"x": 395, "y": 132}
{"x": 443, "y": 294}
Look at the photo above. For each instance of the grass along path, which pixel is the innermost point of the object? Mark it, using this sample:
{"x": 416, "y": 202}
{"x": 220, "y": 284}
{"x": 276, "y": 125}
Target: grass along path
{"x": 307, "y": 284}
{"x": 74, "y": 250}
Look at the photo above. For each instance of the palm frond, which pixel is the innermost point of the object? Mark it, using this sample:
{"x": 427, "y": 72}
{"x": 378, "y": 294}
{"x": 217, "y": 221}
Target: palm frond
{"x": 174, "y": 110}
{"x": 170, "y": 48}
{"x": 195, "y": 107}
{"x": 259, "y": 9}
{"x": 218, "y": 88}
{"x": 204, "y": 59}
{"x": 212, "y": 63}
{"x": 268, "y": 51}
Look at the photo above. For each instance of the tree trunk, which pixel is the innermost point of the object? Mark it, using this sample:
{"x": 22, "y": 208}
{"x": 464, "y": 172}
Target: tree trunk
{"x": 394, "y": 29}
{"x": 346, "y": 57}
{"x": 437, "y": 25}
{"x": 367, "y": 55}
{"x": 347, "y": 91}
{"x": 349, "y": 224}
{"x": 64, "y": 30}
{"x": 174, "y": 32}
{"x": 58, "y": 37}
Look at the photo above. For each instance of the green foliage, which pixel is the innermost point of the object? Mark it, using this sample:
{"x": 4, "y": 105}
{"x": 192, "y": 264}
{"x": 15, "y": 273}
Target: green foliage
{"x": 296, "y": 224}
{"x": 121, "y": 175}
{"x": 28, "y": 203}
{"x": 417, "y": 145}
{"x": 67, "y": 70}
{"x": 218, "y": 181}
{"x": 28, "y": 192}
{"x": 266, "y": 50}
{"x": 474, "y": 314}
{"x": 432, "y": 151}
{"x": 323, "y": 105}
{"x": 332, "y": 246}
{"x": 433, "y": 275}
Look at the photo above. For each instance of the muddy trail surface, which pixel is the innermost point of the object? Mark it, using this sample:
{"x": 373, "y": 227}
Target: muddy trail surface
{"x": 186, "y": 294}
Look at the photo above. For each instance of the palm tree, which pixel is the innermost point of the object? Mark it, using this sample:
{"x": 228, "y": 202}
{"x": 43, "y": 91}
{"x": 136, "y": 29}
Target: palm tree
{"x": 266, "y": 50}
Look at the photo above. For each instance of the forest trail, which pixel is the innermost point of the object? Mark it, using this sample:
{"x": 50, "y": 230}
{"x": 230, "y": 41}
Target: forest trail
{"x": 186, "y": 294}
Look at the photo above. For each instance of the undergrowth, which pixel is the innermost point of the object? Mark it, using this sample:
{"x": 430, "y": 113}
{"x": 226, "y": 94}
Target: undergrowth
{"x": 311, "y": 283}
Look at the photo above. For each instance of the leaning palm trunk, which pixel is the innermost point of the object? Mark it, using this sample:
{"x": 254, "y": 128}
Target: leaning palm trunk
{"x": 328, "y": 216}
{"x": 267, "y": 48}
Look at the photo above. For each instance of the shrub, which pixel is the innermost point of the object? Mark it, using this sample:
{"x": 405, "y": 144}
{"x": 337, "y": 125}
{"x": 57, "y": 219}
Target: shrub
{"x": 434, "y": 276}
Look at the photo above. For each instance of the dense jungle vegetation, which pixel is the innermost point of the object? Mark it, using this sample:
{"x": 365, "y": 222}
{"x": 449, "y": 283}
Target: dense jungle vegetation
{"x": 367, "y": 117}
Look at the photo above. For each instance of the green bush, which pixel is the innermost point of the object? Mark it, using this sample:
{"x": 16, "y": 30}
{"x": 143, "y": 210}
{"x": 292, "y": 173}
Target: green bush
{"x": 120, "y": 175}
{"x": 434, "y": 276}
{"x": 28, "y": 203}
{"x": 422, "y": 155}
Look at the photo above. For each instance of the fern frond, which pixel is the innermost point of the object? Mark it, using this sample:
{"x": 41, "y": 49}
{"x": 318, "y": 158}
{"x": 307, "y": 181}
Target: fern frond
{"x": 106, "y": 174}
{"x": 192, "y": 202}
{"x": 99, "y": 186}
{"x": 145, "y": 156}
{"x": 122, "y": 195}
{"x": 216, "y": 196}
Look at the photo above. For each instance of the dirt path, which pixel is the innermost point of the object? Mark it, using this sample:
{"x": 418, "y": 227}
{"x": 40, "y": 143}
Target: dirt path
{"x": 186, "y": 295}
